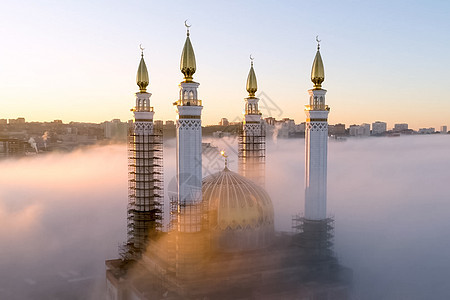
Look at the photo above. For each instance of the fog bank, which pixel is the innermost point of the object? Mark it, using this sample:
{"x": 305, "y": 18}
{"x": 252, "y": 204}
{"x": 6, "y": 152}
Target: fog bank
{"x": 62, "y": 215}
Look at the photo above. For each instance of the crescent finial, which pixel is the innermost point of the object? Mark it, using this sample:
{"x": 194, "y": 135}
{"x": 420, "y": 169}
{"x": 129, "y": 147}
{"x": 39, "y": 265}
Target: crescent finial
{"x": 187, "y": 26}
{"x": 251, "y": 59}
{"x": 142, "y": 49}
{"x": 225, "y": 156}
{"x": 318, "y": 42}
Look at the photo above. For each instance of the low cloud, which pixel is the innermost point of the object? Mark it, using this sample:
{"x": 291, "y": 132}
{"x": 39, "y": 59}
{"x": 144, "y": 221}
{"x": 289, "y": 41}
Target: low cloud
{"x": 62, "y": 215}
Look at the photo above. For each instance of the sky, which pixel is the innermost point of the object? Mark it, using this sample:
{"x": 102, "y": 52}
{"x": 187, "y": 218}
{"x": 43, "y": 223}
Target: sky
{"x": 77, "y": 60}
{"x": 391, "y": 221}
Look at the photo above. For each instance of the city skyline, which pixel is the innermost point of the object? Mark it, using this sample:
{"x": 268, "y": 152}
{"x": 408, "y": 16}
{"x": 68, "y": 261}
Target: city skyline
{"x": 388, "y": 127}
{"x": 77, "y": 61}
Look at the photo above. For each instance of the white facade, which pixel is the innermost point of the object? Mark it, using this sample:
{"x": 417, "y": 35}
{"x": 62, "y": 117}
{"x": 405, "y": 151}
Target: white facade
{"x": 316, "y": 148}
{"x": 400, "y": 127}
{"x": 365, "y": 131}
{"x": 379, "y": 128}
{"x": 359, "y": 130}
{"x": 189, "y": 156}
{"x": 427, "y": 130}
{"x": 354, "y": 130}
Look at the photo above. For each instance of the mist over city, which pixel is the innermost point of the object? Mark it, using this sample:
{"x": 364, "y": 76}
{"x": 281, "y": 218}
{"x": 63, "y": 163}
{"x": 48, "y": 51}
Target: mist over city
{"x": 224, "y": 150}
{"x": 63, "y": 214}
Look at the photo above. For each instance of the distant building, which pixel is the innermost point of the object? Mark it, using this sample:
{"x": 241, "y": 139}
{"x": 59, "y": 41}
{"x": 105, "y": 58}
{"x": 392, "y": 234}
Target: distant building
{"x": 379, "y": 128}
{"x": 443, "y": 129}
{"x": 359, "y": 130}
{"x": 221, "y": 134}
{"x": 16, "y": 121}
{"x": 158, "y": 123}
{"x": 170, "y": 123}
{"x": 284, "y": 128}
{"x": 270, "y": 121}
{"x": 3, "y": 121}
{"x": 169, "y": 129}
{"x": 353, "y": 130}
{"x": 115, "y": 130}
{"x": 300, "y": 128}
{"x": 365, "y": 129}
{"x": 427, "y": 130}
{"x": 224, "y": 122}
{"x": 337, "y": 129}
{"x": 12, "y": 147}
{"x": 400, "y": 127}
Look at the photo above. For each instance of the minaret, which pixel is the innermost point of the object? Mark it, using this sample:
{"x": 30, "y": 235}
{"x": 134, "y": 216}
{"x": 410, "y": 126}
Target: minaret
{"x": 252, "y": 139}
{"x": 189, "y": 144}
{"x": 144, "y": 169}
{"x": 316, "y": 142}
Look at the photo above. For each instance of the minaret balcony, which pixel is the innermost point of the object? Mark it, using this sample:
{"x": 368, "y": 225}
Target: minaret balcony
{"x": 253, "y": 112}
{"x": 150, "y": 109}
{"x": 317, "y": 107}
{"x": 188, "y": 102}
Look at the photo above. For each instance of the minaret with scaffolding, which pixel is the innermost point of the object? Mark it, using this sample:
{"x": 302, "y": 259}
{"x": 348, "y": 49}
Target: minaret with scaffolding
{"x": 316, "y": 230}
{"x": 145, "y": 170}
{"x": 252, "y": 138}
{"x": 189, "y": 145}
{"x": 186, "y": 209}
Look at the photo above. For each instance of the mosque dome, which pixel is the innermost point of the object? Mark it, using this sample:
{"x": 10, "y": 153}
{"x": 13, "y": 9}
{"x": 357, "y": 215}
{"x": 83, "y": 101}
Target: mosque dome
{"x": 240, "y": 212}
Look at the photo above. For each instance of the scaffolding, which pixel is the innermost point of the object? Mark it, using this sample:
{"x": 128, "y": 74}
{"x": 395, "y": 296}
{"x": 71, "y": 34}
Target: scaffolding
{"x": 252, "y": 152}
{"x": 187, "y": 237}
{"x": 314, "y": 237}
{"x": 145, "y": 189}
{"x": 187, "y": 217}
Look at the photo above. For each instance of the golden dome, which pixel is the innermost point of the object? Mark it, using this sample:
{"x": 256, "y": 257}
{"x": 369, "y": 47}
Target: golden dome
{"x": 240, "y": 212}
{"x": 187, "y": 64}
{"x": 142, "y": 75}
{"x": 317, "y": 72}
{"x": 252, "y": 86}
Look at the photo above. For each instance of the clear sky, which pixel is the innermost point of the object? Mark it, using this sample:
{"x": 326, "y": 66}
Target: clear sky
{"x": 77, "y": 60}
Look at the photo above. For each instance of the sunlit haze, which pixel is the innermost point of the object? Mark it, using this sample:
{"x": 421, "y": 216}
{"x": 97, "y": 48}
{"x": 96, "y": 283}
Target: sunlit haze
{"x": 391, "y": 224}
{"x": 77, "y": 60}
{"x": 325, "y": 174}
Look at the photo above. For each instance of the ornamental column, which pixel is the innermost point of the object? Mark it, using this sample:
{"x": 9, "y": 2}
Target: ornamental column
{"x": 316, "y": 143}
{"x": 252, "y": 143}
{"x": 189, "y": 145}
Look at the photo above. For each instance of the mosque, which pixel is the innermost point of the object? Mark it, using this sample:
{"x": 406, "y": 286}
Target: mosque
{"x": 221, "y": 242}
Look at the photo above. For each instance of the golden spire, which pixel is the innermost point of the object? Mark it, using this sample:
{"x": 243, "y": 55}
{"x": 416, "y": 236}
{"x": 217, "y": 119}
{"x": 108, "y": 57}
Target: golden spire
{"x": 142, "y": 74}
{"x": 317, "y": 72}
{"x": 187, "y": 64}
{"x": 252, "y": 86}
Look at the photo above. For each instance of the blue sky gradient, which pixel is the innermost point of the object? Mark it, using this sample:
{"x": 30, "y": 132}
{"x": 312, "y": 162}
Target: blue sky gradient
{"x": 77, "y": 60}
